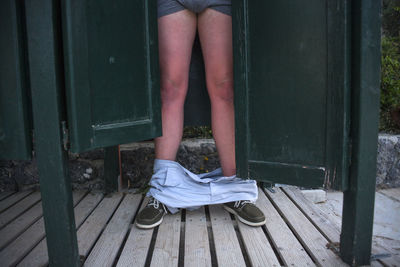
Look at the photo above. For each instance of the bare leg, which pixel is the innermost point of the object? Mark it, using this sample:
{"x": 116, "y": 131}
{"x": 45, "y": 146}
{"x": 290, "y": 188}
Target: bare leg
{"x": 215, "y": 31}
{"x": 176, "y": 33}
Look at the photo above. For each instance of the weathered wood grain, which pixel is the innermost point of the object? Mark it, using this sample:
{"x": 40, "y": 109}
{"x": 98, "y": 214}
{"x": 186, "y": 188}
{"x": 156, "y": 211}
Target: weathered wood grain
{"x": 257, "y": 245}
{"x": 18, "y": 208}
{"x": 227, "y": 246}
{"x": 166, "y": 249}
{"x": 20, "y": 246}
{"x": 310, "y": 237}
{"x": 17, "y": 226}
{"x": 39, "y": 256}
{"x": 289, "y": 248}
{"x": 6, "y": 194}
{"x": 136, "y": 246}
{"x": 197, "y": 247}
{"x": 110, "y": 241}
{"x": 330, "y": 229}
{"x": 393, "y": 193}
{"x": 4, "y": 204}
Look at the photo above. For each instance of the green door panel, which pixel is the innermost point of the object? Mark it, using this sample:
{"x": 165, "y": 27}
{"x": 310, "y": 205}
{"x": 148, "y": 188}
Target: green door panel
{"x": 111, "y": 66}
{"x": 15, "y": 138}
{"x": 291, "y": 64}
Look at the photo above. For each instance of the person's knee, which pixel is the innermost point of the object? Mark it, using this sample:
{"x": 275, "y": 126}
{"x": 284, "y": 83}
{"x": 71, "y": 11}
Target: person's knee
{"x": 173, "y": 90}
{"x": 221, "y": 90}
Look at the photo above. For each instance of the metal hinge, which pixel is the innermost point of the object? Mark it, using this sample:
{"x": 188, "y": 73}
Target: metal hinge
{"x": 65, "y": 136}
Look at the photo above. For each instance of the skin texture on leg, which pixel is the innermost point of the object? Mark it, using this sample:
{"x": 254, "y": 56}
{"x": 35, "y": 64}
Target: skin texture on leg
{"x": 215, "y": 32}
{"x": 176, "y": 33}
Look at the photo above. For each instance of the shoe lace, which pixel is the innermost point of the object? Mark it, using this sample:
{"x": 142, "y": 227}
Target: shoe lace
{"x": 241, "y": 203}
{"x": 155, "y": 203}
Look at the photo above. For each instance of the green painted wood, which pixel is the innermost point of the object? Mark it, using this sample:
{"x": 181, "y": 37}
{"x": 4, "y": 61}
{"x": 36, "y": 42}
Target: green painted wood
{"x": 112, "y": 75}
{"x": 338, "y": 94}
{"x": 281, "y": 172}
{"x": 358, "y": 200}
{"x": 15, "y": 123}
{"x": 46, "y": 77}
{"x": 240, "y": 43}
{"x": 291, "y": 91}
{"x": 111, "y": 169}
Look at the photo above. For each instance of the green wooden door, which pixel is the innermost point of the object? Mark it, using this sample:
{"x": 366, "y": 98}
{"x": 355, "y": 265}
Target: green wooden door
{"x": 111, "y": 66}
{"x": 291, "y": 70}
{"x": 15, "y": 126}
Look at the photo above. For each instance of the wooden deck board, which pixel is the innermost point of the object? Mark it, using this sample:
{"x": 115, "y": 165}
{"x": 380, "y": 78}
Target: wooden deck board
{"x": 289, "y": 248}
{"x": 9, "y": 201}
{"x": 17, "y": 226}
{"x": 197, "y": 247}
{"x": 257, "y": 246}
{"x": 6, "y": 194}
{"x": 393, "y": 193}
{"x": 10, "y": 214}
{"x": 90, "y": 230}
{"x": 376, "y": 264}
{"x": 227, "y": 246}
{"x": 310, "y": 237}
{"x": 393, "y": 261}
{"x": 104, "y": 223}
{"x": 316, "y": 215}
{"x": 20, "y": 246}
{"x": 107, "y": 246}
{"x": 38, "y": 255}
{"x": 166, "y": 249}
{"x": 136, "y": 246}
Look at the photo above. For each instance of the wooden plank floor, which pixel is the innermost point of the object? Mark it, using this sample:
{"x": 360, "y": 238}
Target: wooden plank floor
{"x": 297, "y": 233}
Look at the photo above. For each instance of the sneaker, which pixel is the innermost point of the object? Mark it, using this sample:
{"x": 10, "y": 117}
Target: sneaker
{"x": 246, "y": 211}
{"x": 152, "y": 215}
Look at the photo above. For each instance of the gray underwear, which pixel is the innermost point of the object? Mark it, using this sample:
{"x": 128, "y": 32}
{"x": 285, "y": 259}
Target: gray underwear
{"x": 166, "y": 7}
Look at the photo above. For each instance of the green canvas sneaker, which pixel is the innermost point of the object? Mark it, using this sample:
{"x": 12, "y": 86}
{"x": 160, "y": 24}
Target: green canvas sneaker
{"x": 152, "y": 215}
{"x": 246, "y": 212}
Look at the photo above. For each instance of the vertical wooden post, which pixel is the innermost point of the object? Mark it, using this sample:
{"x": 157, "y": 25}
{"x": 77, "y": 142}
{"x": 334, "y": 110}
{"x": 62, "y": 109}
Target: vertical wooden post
{"x": 358, "y": 202}
{"x": 45, "y": 66}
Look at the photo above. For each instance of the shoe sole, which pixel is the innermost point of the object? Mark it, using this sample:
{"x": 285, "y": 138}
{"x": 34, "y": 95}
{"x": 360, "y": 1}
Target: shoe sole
{"x": 244, "y": 220}
{"x": 149, "y": 226}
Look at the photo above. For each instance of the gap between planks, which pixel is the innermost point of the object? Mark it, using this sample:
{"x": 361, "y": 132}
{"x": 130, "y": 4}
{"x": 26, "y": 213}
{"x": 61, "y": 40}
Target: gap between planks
{"x": 309, "y": 236}
{"x": 257, "y": 247}
{"x": 25, "y": 242}
{"x": 6, "y": 194}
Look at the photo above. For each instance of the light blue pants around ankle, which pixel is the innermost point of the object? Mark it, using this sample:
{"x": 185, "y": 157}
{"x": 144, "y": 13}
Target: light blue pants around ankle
{"x": 177, "y": 187}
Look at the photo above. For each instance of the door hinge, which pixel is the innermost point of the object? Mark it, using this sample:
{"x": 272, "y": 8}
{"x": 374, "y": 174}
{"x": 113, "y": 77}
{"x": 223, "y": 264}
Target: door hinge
{"x": 65, "y": 136}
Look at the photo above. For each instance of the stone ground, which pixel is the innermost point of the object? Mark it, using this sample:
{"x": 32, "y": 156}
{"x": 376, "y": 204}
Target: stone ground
{"x": 197, "y": 155}
{"x": 86, "y": 169}
{"x": 386, "y": 231}
{"x": 388, "y": 161}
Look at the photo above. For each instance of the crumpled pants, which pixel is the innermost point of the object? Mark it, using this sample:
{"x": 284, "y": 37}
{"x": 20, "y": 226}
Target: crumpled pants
{"x": 166, "y": 7}
{"x": 177, "y": 187}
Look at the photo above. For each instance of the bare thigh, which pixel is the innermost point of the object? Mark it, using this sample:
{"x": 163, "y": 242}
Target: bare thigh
{"x": 176, "y": 33}
{"x": 215, "y": 32}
